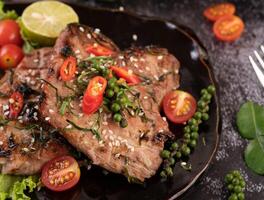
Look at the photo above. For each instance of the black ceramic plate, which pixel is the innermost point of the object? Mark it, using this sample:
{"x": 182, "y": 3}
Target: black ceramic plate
{"x": 195, "y": 74}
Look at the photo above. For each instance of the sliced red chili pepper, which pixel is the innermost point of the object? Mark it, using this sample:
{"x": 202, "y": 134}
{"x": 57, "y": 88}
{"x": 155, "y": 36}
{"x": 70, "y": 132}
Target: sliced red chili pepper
{"x": 93, "y": 96}
{"x": 68, "y": 69}
{"x": 16, "y": 103}
{"x": 128, "y": 75}
{"x": 99, "y": 50}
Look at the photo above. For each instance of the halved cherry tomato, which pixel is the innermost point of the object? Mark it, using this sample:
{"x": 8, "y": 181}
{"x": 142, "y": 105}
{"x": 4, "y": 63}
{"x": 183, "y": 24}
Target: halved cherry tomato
{"x": 16, "y": 103}
{"x": 217, "y": 11}
{"x": 10, "y": 56}
{"x": 93, "y": 96}
{"x": 179, "y": 106}
{"x": 61, "y": 173}
{"x": 10, "y": 33}
{"x": 98, "y": 50}
{"x": 68, "y": 69}
{"x": 228, "y": 28}
{"x": 128, "y": 75}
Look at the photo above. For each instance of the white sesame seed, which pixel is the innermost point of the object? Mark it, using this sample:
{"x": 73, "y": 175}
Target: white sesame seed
{"x": 36, "y": 60}
{"x": 11, "y": 100}
{"x": 160, "y": 57}
{"x": 36, "y": 107}
{"x": 117, "y": 143}
{"x": 1, "y": 143}
{"x": 130, "y": 72}
{"x": 101, "y": 142}
{"x": 110, "y": 144}
{"x": 94, "y": 137}
{"x": 161, "y": 131}
{"x": 176, "y": 71}
{"x": 47, "y": 118}
{"x": 142, "y": 59}
{"x": 97, "y": 30}
{"x": 123, "y": 63}
{"x": 136, "y": 65}
{"x": 51, "y": 111}
{"x": 32, "y": 82}
{"x": 117, "y": 155}
{"x": 25, "y": 149}
{"x": 145, "y": 97}
{"x": 35, "y": 114}
{"x": 165, "y": 70}
{"x": 81, "y": 29}
{"x": 121, "y": 8}
{"x": 104, "y": 131}
{"x": 69, "y": 126}
{"x": 80, "y": 114}
{"x": 111, "y": 138}
{"x": 164, "y": 119}
{"x": 20, "y": 121}
{"x": 147, "y": 68}
{"x": 89, "y": 36}
{"x": 156, "y": 77}
{"x": 121, "y": 57}
{"x": 105, "y": 123}
{"x": 135, "y": 37}
{"x": 183, "y": 163}
{"x": 1, "y": 128}
{"x": 77, "y": 51}
{"x": 141, "y": 71}
{"x": 20, "y": 117}
{"x": 110, "y": 131}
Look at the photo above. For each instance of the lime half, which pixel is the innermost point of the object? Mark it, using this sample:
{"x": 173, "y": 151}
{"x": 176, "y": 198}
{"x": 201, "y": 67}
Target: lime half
{"x": 43, "y": 21}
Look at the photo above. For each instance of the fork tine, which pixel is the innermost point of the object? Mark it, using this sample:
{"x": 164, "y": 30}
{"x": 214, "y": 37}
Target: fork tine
{"x": 259, "y": 59}
{"x": 257, "y": 70}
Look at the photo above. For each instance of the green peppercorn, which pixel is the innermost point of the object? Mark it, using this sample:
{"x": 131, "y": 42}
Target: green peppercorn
{"x": 169, "y": 171}
{"x": 211, "y": 89}
{"x": 205, "y": 116}
{"x": 186, "y": 141}
{"x": 115, "y": 107}
{"x": 112, "y": 82}
{"x": 229, "y": 178}
{"x": 123, "y": 100}
{"x": 123, "y": 123}
{"x": 230, "y": 187}
{"x": 235, "y": 181}
{"x": 187, "y": 136}
{"x": 233, "y": 197}
{"x": 237, "y": 189}
{"x": 110, "y": 93}
{"x": 187, "y": 129}
{"x": 198, "y": 115}
{"x": 192, "y": 121}
{"x": 178, "y": 154}
{"x": 116, "y": 89}
{"x": 194, "y": 135}
{"x": 185, "y": 150}
{"x": 206, "y": 109}
{"x": 242, "y": 183}
{"x": 201, "y": 104}
{"x": 204, "y": 91}
{"x": 163, "y": 174}
{"x": 194, "y": 128}
{"x": 117, "y": 117}
{"x": 174, "y": 146}
{"x": 207, "y": 97}
{"x": 241, "y": 196}
{"x": 165, "y": 154}
{"x": 236, "y": 173}
{"x": 171, "y": 161}
{"x": 192, "y": 143}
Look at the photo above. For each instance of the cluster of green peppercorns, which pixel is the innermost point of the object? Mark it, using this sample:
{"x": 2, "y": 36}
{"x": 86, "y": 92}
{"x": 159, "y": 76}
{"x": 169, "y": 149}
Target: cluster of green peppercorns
{"x": 183, "y": 146}
{"x": 117, "y": 100}
{"x": 235, "y": 185}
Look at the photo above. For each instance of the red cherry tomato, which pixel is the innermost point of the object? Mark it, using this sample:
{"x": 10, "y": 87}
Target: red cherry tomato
{"x": 10, "y": 33}
{"x": 99, "y": 50}
{"x": 61, "y": 173}
{"x": 217, "y": 11}
{"x": 10, "y": 56}
{"x": 93, "y": 96}
{"x": 68, "y": 69}
{"x": 228, "y": 28}
{"x": 16, "y": 103}
{"x": 128, "y": 75}
{"x": 179, "y": 106}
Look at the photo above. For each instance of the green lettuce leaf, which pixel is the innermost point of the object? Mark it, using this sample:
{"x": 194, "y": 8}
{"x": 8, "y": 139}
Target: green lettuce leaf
{"x": 14, "y": 187}
{"x": 10, "y": 14}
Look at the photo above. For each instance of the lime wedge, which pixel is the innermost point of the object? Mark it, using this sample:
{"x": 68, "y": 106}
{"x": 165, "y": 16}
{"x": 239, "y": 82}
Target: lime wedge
{"x": 43, "y": 21}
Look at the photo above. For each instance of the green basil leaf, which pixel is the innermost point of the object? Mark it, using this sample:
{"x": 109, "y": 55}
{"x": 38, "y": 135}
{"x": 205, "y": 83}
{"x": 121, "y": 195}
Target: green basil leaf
{"x": 250, "y": 120}
{"x": 254, "y": 156}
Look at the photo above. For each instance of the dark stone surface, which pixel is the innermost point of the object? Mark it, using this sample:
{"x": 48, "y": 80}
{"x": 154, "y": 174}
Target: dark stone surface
{"x": 237, "y": 80}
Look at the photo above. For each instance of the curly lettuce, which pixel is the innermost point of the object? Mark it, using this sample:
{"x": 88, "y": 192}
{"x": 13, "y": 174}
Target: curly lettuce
{"x": 15, "y": 187}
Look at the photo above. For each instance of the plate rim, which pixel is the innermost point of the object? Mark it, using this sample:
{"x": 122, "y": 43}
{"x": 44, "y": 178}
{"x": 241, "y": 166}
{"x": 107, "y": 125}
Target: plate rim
{"x": 203, "y": 57}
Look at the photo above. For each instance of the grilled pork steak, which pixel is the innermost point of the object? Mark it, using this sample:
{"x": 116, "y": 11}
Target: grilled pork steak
{"x": 25, "y": 143}
{"x": 135, "y": 150}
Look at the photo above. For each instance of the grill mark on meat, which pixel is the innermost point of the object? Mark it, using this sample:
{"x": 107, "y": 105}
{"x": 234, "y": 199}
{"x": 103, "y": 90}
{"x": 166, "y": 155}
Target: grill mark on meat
{"x": 119, "y": 151}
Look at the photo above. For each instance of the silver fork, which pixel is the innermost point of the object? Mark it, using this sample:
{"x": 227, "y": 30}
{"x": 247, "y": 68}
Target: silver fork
{"x": 257, "y": 69}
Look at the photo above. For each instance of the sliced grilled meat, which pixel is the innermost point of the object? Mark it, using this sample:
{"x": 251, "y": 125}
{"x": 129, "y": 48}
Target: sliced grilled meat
{"x": 25, "y": 143}
{"x": 133, "y": 151}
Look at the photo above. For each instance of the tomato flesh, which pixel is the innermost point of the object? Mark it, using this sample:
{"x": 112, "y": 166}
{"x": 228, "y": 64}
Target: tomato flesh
{"x": 217, "y": 11}
{"x": 93, "y": 96}
{"x": 179, "y": 106}
{"x": 61, "y": 173}
{"x": 68, "y": 69}
{"x": 228, "y": 28}
{"x": 98, "y": 50}
{"x": 10, "y": 33}
{"x": 10, "y": 56}
{"x": 127, "y": 75}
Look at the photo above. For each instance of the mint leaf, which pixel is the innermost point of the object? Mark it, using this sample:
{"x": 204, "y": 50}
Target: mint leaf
{"x": 250, "y": 122}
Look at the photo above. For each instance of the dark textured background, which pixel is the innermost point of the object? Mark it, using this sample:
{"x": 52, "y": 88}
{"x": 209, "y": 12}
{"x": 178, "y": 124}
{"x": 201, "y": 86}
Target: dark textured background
{"x": 236, "y": 78}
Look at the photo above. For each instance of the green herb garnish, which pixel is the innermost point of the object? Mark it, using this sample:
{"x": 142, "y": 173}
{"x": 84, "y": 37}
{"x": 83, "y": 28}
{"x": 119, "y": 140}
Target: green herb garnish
{"x": 250, "y": 122}
{"x": 9, "y": 14}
